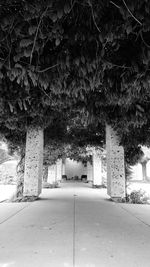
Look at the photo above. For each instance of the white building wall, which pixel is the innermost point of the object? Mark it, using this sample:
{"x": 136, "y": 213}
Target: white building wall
{"x": 148, "y": 169}
{"x": 74, "y": 168}
{"x": 137, "y": 172}
{"x": 51, "y": 174}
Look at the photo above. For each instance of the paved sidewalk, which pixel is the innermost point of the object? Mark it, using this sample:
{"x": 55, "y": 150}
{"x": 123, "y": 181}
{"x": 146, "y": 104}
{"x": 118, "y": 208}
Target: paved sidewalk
{"x": 74, "y": 226}
{"x": 7, "y": 192}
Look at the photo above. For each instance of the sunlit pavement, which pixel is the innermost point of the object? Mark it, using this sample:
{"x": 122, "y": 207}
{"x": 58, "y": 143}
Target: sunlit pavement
{"x": 7, "y": 192}
{"x": 74, "y": 226}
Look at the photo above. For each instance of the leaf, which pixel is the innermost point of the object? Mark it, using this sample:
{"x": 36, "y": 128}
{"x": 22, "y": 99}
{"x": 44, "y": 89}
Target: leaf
{"x": 11, "y": 107}
{"x": 27, "y": 52}
{"x": 129, "y": 29}
{"x": 32, "y": 30}
{"x": 50, "y": 3}
{"x": 89, "y": 67}
{"x": 29, "y": 101}
{"x": 83, "y": 71}
{"x": 33, "y": 77}
{"x": 25, "y": 42}
{"x": 1, "y": 75}
{"x": 139, "y": 108}
{"x": 19, "y": 79}
{"x": 77, "y": 61}
{"x": 67, "y": 62}
{"x": 11, "y": 77}
{"x": 60, "y": 13}
{"x": 57, "y": 42}
{"x": 101, "y": 38}
{"x": 54, "y": 17}
{"x": 66, "y": 9}
{"x": 20, "y": 103}
{"x": 17, "y": 65}
{"x": 26, "y": 82}
{"x": 102, "y": 52}
{"x": 135, "y": 66}
{"x": 24, "y": 105}
{"x": 83, "y": 59}
{"x": 1, "y": 64}
{"x": 17, "y": 57}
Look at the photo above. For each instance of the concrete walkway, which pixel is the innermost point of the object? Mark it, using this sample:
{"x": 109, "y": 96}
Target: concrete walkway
{"x": 74, "y": 226}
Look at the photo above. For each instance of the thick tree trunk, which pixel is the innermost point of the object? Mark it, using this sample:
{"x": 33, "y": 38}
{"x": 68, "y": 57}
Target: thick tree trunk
{"x": 33, "y": 162}
{"x": 115, "y": 165}
{"x": 45, "y": 173}
{"x": 89, "y": 172}
{"x": 97, "y": 168}
{"x": 63, "y": 166}
{"x": 52, "y": 174}
{"x": 20, "y": 176}
{"x": 59, "y": 170}
{"x": 144, "y": 171}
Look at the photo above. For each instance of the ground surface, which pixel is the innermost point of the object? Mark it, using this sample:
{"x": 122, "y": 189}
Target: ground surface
{"x": 74, "y": 226}
{"x": 7, "y": 192}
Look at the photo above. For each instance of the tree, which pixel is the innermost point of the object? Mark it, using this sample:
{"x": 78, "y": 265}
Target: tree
{"x": 145, "y": 158}
{"x": 3, "y": 156}
{"x": 88, "y": 56}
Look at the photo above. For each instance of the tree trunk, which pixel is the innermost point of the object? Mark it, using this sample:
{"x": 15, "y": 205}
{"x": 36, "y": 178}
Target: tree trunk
{"x": 33, "y": 171}
{"x": 115, "y": 165}
{"x": 45, "y": 173}
{"x": 144, "y": 170}
{"x": 20, "y": 176}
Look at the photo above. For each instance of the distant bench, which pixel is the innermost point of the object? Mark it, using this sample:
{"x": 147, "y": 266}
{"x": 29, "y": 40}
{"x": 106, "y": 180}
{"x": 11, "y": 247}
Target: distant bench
{"x": 83, "y": 177}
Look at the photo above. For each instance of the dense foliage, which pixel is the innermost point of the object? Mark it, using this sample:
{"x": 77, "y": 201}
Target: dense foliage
{"x": 87, "y": 57}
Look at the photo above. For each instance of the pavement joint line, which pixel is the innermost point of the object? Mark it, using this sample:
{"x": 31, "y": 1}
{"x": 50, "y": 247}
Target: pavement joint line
{"x": 133, "y": 215}
{"x": 7, "y": 219}
{"x": 74, "y": 227}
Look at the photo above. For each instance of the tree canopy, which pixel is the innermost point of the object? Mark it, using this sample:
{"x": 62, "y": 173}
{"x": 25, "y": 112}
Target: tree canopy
{"x": 87, "y": 58}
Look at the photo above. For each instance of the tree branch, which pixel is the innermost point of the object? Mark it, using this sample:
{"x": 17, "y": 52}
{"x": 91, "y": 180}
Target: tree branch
{"x": 141, "y": 34}
{"x": 36, "y": 34}
{"x": 115, "y": 4}
{"x": 119, "y": 66}
{"x": 45, "y": 93}
{"x": 131, "y": 13}
{"x": 48, "y": 68}
{"x": 94, "y": 17}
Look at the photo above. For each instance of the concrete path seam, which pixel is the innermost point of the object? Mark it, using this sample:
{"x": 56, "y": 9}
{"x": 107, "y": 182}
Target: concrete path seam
{"x": 14, "y": 214}
{"x": 148, "y": 225}
{"x": 74, "y": 228}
